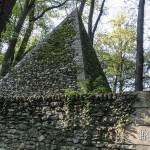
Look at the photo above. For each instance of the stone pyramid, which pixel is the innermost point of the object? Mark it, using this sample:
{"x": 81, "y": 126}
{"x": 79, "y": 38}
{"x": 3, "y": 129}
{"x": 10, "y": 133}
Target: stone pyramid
{"x": 63, "y": 60}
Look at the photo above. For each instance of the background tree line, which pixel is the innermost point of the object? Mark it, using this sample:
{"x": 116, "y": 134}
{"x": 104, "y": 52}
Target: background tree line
{"x": 120, "y": 50}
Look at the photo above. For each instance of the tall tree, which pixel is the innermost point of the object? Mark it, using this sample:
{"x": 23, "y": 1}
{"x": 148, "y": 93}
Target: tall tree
{"x": 116, "y": 50}
{"x": 140, "y": 51}
{"x": 9, "y": 55}
{"x": 81, "y": 8}
{"x": 32, "y": 20}
{"x": 26, "y": 37}
{"x": 90, "y": 18}
{"x": 6, "y": 7}
{"x": 92, "y": 27}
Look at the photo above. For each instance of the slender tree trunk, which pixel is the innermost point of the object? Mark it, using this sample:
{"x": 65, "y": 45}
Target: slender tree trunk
{"x": 82, "y": 7}
{"x": 90, "y": 19}
{"x": 140, "y": 51}
{"x": 32, "y": 20}
{"x": 121, "y": 79}
{"x": 120, "y": 69}
{"x": 9, "y": 55}
{"x": 25, "y": 40}
{"x": 115, "y": 84}
{"x": 6, "y": 7}
{"x": 92, "y": 28}
{"x": 98, "y": 18}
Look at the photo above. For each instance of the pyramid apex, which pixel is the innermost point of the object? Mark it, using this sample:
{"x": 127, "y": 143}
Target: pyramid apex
{"x": 63, "y": 59}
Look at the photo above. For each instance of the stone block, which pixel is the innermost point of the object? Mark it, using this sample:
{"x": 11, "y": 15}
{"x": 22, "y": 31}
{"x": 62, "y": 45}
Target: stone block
{"x": 143, "y": 99}
{"x": 142, "y": 147}
{"x": 137, "y": 135}
{"x": 141, "y": 116}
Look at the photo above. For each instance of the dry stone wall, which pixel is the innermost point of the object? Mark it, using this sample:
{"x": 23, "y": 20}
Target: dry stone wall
{"x": 77, "y": 122}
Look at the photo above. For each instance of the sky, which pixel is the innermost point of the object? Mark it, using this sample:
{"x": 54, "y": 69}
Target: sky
{"x": 129, "y": 7}
{"x": 113, "y": 8}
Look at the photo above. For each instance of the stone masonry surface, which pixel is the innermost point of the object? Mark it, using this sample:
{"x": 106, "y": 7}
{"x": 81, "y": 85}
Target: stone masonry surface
{"x": 59, "y": 122}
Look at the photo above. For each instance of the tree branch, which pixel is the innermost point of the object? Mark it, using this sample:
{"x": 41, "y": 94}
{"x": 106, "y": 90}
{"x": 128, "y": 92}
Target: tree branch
{"x": 49, "y": 8}
{"x": 81, "y": 8}
{"x": 98, "y": 18}
{"x": 90, "y": 19}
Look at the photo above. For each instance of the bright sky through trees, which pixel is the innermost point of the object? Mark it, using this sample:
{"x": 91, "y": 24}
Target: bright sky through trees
{"x": 113, "y": 8}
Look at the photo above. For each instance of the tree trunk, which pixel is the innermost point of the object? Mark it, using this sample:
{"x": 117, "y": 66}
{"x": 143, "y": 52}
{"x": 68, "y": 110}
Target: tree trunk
{"x": 121, "y": 83}
{"x": 25, "y": 40}
{"x": 82, "y": 7}
{"x": 140, "y": 51}
{"x": 90, "y": 19}
{"x": 98, "y": 18}
{"x": 115, "y": 84}
{"x": 6, "y": 7}
{"x": 9, "y": 55}
{"x": 92, "y": 28}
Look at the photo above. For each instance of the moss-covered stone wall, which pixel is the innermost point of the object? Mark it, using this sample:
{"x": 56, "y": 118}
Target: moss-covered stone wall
{"x": 60, "y": 122}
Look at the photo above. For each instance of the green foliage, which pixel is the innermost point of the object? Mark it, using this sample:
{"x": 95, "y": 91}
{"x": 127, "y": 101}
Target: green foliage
{"x": 84, "y": 86}
{"x": 1, "y": 58}
{"x": 70, "y": 92}
{"x": 98, "y": 86}
{"x": 119, "y": 108}
{"x": 32, "y": 43}
{"x": 117, "y": 50}
{"x": 123, "y": 107}
{"x": 88, "y": 87}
